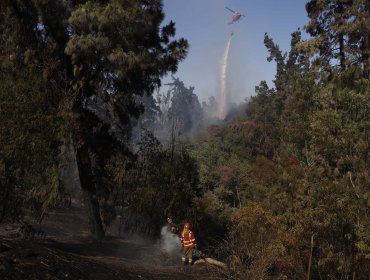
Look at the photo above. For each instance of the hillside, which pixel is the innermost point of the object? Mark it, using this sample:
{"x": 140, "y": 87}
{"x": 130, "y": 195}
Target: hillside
{"x": 67, "y": 253}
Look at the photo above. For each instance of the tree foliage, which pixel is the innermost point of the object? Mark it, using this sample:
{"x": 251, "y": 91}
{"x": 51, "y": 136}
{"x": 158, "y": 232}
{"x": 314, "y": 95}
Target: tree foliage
{"x": 181, "y": 111}
{"x": 340, "y": 32}
{"x": 155, "y": 184}
{"x": 286, "y": 188}
{"x": 104, "y": 51}
{"x": 305, "y": 151}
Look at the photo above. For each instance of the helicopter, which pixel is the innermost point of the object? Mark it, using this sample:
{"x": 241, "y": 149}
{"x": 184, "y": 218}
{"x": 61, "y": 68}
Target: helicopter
{"x": 236, "y": 16}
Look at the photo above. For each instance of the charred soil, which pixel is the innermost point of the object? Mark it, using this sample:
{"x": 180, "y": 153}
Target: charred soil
{"x": 67, "y": 253}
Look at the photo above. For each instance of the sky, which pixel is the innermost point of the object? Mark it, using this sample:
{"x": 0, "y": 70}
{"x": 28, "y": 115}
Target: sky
{"x": 204, "y": 23}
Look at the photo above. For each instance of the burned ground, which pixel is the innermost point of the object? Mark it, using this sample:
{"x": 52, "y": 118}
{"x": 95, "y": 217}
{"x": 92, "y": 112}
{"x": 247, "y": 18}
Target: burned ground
{"x": 67, "y": 253}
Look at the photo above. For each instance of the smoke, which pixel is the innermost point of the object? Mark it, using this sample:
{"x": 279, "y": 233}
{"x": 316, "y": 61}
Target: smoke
{"x": 223, "y": 103}
{"x": 170, "y": 242}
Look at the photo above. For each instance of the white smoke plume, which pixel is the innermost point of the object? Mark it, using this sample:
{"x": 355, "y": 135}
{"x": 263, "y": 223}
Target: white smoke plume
{"x": 170, "y": 242}
{"x": 223, "y": 103}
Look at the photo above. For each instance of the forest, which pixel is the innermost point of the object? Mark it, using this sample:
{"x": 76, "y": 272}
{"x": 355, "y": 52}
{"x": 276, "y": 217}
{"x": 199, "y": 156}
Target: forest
{"x": 281, "y": 186}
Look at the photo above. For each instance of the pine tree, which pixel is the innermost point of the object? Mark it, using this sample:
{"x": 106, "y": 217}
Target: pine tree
{"x": 106, "y": 50}
{"x": 184, "y": 113}
{"x": 340, "y": 30}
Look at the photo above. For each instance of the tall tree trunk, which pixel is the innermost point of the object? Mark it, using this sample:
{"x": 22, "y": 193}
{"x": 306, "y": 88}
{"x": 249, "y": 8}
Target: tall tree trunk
{"x": 4, "y": 203}
{"x": 365, "y": 47}
{"x": 89, "y": 193}
{"x": 310, "y": 259}
{"x": 87, "y": 178}
{"x": 341, "y": 52}
{"x": 6, "y": 193}
{"x": 365, "y": 58}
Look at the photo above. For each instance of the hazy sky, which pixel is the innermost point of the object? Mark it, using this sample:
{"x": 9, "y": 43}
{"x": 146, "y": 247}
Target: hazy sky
{"x": 204, "y": 24}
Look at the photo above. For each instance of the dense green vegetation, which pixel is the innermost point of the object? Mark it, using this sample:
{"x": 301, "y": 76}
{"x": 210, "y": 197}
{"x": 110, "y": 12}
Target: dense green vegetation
{"x": 86, "y": 52}
{"x": 285, "y": 190}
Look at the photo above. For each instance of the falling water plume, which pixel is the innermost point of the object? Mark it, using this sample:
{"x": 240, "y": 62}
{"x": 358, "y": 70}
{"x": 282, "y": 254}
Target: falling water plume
{"x": 222, "y": 107}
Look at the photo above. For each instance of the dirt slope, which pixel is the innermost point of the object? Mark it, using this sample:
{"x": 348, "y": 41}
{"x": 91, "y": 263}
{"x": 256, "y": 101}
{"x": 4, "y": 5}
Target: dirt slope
{"x": 66, "y": 253}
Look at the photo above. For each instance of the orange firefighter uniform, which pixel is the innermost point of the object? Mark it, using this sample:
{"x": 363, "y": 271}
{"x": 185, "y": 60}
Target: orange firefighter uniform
{"x": 189, "y": 243}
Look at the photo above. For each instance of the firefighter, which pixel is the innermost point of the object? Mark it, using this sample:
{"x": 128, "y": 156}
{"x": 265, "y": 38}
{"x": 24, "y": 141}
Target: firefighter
{"x": 173, "y": 227}
{"x": 189, "y": 244}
